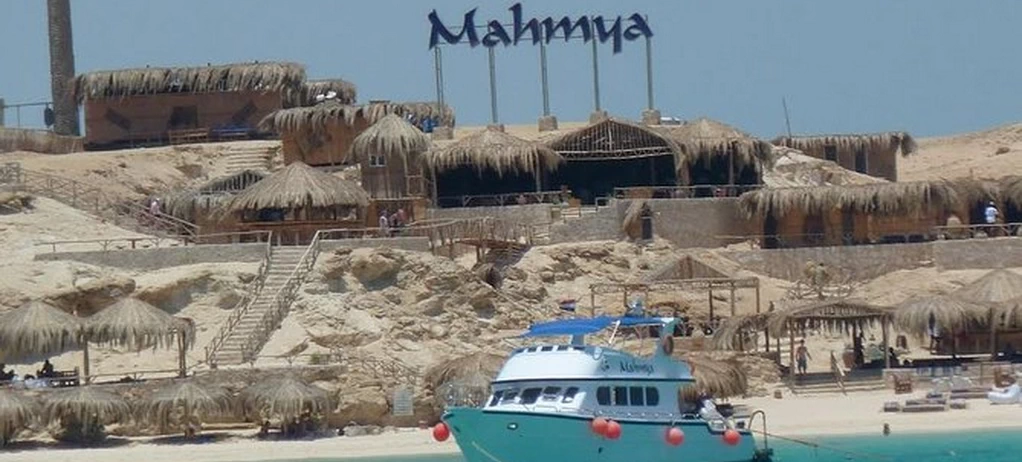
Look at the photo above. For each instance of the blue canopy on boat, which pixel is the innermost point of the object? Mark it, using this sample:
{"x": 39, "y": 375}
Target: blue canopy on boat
{"x": 582, "y": 326}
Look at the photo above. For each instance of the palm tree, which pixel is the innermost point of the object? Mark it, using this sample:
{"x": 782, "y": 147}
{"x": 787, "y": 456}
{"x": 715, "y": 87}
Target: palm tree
{"x": 62, "y": 67}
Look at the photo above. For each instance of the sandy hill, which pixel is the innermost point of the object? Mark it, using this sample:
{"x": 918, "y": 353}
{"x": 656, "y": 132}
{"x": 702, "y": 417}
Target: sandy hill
{"x": 989, "y": 154}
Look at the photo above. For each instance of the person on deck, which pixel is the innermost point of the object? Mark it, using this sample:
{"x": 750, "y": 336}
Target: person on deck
{"x": 402, "y": 217}
{"x": 384, "y": 223}
{"x": 47, "y": 370}
{"x": 802, "y": 357}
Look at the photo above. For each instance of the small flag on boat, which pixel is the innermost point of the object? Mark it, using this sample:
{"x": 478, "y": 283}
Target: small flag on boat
{"x": 567, "y": 305}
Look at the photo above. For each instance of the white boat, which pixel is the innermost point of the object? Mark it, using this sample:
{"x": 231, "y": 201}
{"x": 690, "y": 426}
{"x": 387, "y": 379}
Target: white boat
{"x": 575, "y": 402}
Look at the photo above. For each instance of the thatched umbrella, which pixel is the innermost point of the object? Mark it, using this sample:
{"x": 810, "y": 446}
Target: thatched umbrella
{"x": 953, "y": 314}
{"x": 191, "y": 205}
{"x": 493, "y": 149}
{"x": 284, "y": 398}
{"x": 731, "y": 333}
{"x": 722, "y": 378}
{"x": 38, "y": 328}
{"x": 17, "y": 412}
{"x": 135, "y": 324}
{"x": 464, "y": 379}
{"x": 83, "y": 411}
{"x": 186, "y": 404}
{"x": 997, "y": 291}
{"x": 298, "y": 187}
{"x": 391, "y": 137}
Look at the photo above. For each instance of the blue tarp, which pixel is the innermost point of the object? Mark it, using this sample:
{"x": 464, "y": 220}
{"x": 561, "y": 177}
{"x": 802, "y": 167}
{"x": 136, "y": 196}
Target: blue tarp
{"x": 582, "y": 326}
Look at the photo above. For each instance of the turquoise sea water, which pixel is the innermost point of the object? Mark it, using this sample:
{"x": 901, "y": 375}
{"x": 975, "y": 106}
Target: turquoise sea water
{"x": 971, "y": 446}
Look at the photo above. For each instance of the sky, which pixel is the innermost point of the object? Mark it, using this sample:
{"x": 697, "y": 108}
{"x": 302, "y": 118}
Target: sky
{"x": 930, "y": 67}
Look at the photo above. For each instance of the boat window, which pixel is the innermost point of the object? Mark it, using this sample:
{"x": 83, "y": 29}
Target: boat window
{"x": 496, "y": 397}
{"x": 509, "y": 396}
{"x": 530, "y": 395}
{"x": 636, "y": 396}
{"x": 569, "y": 394}
{"x": 531, "y": 350}
{"x": 550, "y": 393}
{"x": 620, "y": 396}
{"x": 579, "y": 348}
{"x": 562, "y": 348}
{"x": 603, "y": 396}
{"x": 652, "y": 396}
{"x": 547, "y": 348}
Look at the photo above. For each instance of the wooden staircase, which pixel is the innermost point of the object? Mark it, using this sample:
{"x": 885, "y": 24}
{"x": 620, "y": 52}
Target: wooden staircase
{"x": 255, "y": 159}
{"x": 250, "y": 326}
{"x": 817, "y": 383}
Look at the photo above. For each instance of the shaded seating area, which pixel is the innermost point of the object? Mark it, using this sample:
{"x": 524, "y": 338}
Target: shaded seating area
{"x": 295, "y": 202}
{"x": 488, "y": 164}
{"x": 719, "y": 160}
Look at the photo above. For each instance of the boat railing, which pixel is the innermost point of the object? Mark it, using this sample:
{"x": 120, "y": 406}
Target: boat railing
{"x": 463, "y": 395}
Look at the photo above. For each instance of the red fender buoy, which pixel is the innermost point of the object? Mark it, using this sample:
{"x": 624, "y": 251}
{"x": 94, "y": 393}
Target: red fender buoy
{"x": 613, "y": 430}
{"x": 731, "y": 437}
{"x": 599, "y": 426}
{"x": 441, "y": 432}
{"x": 675, "y": 436}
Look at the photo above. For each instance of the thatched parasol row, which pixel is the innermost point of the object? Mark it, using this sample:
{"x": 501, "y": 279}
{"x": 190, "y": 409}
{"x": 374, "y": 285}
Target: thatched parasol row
{"x": 185, "y": 404}
{"x": 264, "y": 77}
{"x": 880, "y": 199}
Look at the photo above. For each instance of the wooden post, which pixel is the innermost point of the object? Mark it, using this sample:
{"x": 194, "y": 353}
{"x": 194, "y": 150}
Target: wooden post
{"x": 731, "y": 171}
{"x": 887, "y": 356}
{"x": 711, "y": 306}
{"x": 2, "y": 107}
{"x": 732, "y": 298}
{"x": 993, "y": 336}
{"x": 85, "y": 362}
{"x": 592, "y": 301}
{"x": 757, "y": 298}
{"x": 181, "y": 360}
{"x": 766, "y": 333}
{"x": 791, "y": 349}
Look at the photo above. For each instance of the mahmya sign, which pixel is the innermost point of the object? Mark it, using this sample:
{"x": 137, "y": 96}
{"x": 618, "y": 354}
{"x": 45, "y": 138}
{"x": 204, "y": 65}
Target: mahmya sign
{"x": 616, "y": 30}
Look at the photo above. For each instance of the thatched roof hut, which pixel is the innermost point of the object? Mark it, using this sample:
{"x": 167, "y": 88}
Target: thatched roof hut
{"x": 135, "y": 324}
{"x": 878, "y": 199}
{"x": 261, "y": 77}
{"x": 946, "y": 312}
{"x": 869, "y": 142}
{"x": 392, "y": 137}
{"x": 87, "y": 404}
{"x": 495, "y": 150}
{"x": 791, "y": 168}
{"x": 186, "y": 403}
{"x": 306, "y": 95}
{"x": 721, "y": 378}
{"x": 476, "y": 369}
{"x": 192, "y": 205}
{"x": 832, "y": 315}
{"x": 704, "y": 139}
{"x": 38, "y": 328}
{"x": 284, "y": 398}
{"x": 873, "y": 153}
{"x": 298, "y": 186}
{"x": 1010, "y": 188}
{"x": 325, "y": 117}
{"x": 17, "y": 412}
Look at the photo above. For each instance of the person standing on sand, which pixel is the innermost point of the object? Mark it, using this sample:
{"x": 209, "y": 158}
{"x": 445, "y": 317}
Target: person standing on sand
{"x": 802, "y": 357}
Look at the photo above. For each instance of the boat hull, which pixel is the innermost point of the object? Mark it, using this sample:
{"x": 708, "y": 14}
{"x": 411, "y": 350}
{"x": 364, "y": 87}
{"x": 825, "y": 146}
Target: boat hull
{"x": 501, "y": 436}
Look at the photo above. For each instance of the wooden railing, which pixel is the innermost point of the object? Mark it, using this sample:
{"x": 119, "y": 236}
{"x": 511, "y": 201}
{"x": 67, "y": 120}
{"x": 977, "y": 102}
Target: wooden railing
{"x": 281, "y": 303}
{"x": 499, "y": 200}
{"x": 121, "y": 243}
{"x": 243, "y": 305}
{"x": 974, "y": 231}
{"x": 132, "y": 215}
{"x": 684, "y": 192}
